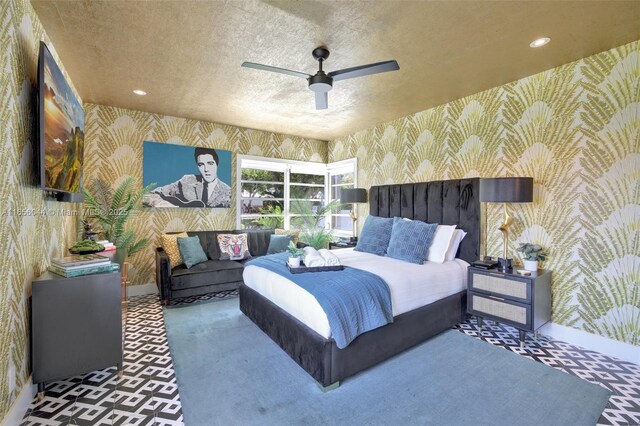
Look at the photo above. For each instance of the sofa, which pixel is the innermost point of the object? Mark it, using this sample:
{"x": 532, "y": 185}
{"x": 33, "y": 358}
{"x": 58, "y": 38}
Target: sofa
{"x": 212, "y": 275}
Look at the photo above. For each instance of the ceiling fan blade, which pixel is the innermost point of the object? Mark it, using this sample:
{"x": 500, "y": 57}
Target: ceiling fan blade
{"x": 322, "y": 100}
{"x": 275, "y": 69}
{"x": 363, "y": 70}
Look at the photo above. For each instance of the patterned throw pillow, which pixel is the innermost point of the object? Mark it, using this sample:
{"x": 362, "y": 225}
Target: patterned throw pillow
{"x": 294, "y": 232}
{"x": 375, "y": 235}
{"x": 170, "y": 246}
{"x": 410, "y": 240}
{"x": 233, "y": 246}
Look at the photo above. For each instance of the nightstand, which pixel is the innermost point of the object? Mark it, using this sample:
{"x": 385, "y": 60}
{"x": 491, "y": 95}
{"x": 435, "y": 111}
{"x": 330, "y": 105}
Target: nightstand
{"x": 341, "y": 244}
{"x": 523, "y": 302}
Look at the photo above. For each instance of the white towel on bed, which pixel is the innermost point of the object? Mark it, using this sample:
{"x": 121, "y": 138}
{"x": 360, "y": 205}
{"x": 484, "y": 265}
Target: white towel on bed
{"x": 330, "y": 259}
{"x": 312, "y": 258}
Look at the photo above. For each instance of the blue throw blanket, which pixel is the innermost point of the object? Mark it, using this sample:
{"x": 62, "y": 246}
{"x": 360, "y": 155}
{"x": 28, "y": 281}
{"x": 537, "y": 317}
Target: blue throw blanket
{"x": 354, "y": 300}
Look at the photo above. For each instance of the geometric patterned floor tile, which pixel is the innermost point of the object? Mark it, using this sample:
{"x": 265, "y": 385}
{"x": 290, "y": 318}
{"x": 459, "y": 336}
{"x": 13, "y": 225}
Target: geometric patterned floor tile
{"x": 176, "y": 301}
{"x": 147, "y": 394}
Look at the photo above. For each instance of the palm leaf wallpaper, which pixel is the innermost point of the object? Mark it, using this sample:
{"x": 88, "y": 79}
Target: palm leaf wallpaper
{"x": 576, "y": 130}
{"x": 27, "y": 241}
{"x": 113, "y": 150}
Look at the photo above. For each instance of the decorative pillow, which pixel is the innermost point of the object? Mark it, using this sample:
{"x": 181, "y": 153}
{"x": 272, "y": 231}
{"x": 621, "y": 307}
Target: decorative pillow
{"x": 294, "y": 232}
{"x": 279, "y": 243}
{"x": 170, "y": 246}
{"x": 458, "y": 235}
{"x": 191, "y": 251}
{"x": 375, "y": 235}
{"x": 233, "y": 246}
{"x": 410, "y": 240}
{"x": 440, "y": 244}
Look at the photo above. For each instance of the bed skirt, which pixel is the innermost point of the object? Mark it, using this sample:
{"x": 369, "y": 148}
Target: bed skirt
{"x": 322, "y": 359}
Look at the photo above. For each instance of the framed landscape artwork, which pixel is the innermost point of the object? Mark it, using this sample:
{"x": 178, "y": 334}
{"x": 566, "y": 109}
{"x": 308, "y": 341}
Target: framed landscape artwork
{"x": 186, "y": 176}
{"x": 61, "y": 129}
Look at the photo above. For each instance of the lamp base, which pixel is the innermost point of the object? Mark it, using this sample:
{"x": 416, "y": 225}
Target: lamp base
{"x": 505, "y": 264}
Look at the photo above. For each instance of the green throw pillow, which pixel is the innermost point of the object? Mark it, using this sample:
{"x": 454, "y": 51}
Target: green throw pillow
{"x": 191, "y": 251}
{"x": 279, "y": 243}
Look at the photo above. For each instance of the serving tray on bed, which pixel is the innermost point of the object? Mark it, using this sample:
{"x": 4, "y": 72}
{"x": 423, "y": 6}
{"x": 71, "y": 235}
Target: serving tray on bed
{"x": 302, "y": 268}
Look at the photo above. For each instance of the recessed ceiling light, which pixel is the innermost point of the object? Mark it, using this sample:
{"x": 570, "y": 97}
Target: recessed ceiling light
{"x": 539, "y": 42}
{"x": 139, "y": 92}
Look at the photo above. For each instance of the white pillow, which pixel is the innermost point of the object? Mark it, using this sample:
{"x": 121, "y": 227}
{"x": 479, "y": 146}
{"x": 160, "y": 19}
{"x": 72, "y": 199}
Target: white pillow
{"x": 458, "y": 235}
{"x": 440, "y": 244}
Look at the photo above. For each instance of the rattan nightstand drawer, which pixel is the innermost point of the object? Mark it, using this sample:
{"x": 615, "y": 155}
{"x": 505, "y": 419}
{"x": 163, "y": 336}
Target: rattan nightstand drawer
{"x": 499, "y": 285}
{"x": 511, "y": 312}
{"x": 523, "y": 302}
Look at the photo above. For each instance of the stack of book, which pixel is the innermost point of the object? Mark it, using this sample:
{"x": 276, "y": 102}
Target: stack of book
{"x": 85, "y": 264}
{"x": 108, "y": 245}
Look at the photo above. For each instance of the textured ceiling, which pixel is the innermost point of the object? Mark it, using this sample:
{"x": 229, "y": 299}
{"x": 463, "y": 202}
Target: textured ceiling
{"x": 187, "y": 54}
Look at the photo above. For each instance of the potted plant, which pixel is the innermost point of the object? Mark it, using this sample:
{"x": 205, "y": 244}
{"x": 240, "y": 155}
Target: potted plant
{"x": 310, "y": 219}
{"x": 294, "y": 255}
{"x": 531, "y": 254}
{"x": 111, "y": 209}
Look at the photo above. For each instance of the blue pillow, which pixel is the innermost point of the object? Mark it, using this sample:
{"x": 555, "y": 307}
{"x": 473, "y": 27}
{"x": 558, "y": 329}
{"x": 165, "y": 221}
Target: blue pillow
{"x": 191, "y": 251}
{"x": 410, "y": 240}
{"x": 279, "y": 243}
{"x": 375, "y": 235}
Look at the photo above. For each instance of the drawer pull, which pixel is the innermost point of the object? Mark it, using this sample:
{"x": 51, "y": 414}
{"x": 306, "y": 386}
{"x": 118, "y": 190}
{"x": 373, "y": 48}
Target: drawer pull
{"x": 497, "y": 298}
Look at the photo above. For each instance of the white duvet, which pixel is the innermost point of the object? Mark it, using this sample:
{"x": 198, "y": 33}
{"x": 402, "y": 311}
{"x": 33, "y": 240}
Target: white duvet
{"x": 411, "y": 285}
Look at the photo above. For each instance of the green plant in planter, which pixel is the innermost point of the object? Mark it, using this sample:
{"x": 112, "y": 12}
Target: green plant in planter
{"x": 533, "y": 252}
{"x": 294, "y": 251}
{"x": 111, "y": 210}
{"x": 309, "y": 221}
{"x": 318, "y": 238}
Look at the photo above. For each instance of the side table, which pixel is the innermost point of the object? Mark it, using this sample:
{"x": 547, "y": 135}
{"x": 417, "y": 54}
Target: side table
{"x": 521, "y": 301}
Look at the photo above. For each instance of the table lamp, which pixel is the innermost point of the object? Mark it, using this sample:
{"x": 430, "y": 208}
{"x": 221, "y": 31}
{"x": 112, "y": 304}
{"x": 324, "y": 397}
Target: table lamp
{"x": 352, "y": 196}
{"x": 506, "y": 190}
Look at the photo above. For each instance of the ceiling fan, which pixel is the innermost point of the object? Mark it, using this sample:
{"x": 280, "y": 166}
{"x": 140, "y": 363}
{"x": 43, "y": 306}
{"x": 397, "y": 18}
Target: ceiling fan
{"x": 321, "y": 83}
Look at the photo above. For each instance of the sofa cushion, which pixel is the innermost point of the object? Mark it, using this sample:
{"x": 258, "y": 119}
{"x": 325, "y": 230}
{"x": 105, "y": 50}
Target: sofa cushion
{"x": 170, "y": 245}
{"x": 233, "y": 246}
{"x": 279, "y": 243}
{"x": 191, "y": 251}
{"x": 206, "y": 273}
{"x": 294, "y": 232}
{"x": 209, "y": 242}
{"x": 258, "y": 240}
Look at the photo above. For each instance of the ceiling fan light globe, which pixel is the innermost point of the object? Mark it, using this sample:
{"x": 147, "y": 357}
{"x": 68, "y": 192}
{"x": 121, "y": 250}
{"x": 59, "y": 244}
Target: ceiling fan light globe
{"x": 320, "y": 83}
{"x": 320, "y": 87}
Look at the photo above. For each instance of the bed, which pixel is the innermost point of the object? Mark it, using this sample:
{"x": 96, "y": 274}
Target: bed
{"x": 310, "y": 345}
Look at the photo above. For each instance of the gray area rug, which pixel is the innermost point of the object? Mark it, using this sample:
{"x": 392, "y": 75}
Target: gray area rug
{"x": 230, "y": 373}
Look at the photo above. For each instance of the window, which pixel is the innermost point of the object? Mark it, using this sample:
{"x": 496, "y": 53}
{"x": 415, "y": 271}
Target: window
{"x": 262, "y": 196}
{"x": 277, "y": 193}
{"x": 306, "y": 196}
{"x": 342, "y": 175}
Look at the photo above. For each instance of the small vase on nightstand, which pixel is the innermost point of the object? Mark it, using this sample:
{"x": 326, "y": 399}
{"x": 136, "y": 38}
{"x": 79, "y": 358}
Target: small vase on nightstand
{"x": 530, "y": 265}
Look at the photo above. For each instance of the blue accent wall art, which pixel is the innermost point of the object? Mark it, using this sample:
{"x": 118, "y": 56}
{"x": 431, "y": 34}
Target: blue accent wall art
{"x": 186, "y": 176}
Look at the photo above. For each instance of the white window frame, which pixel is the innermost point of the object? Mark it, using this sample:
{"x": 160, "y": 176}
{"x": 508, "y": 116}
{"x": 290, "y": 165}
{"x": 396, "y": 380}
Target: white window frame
{"x": 336, "y": 168}
{"x": 277, "y": 165}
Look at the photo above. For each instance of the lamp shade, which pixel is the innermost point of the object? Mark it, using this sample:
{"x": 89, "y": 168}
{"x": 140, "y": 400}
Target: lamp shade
{"x": 506, "y": 190}
{"x": 353, "y": 195}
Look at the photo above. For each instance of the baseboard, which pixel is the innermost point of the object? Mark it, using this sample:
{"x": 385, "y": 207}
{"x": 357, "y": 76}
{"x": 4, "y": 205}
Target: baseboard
{"x": 142, "y": 290}
{"x": 21, "y": 404}
{"x": 604, "y": 345}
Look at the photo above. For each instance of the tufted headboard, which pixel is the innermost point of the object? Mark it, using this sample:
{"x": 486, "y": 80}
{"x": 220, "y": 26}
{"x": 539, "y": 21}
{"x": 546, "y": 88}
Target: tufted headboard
{"x": 446, "y": 202}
